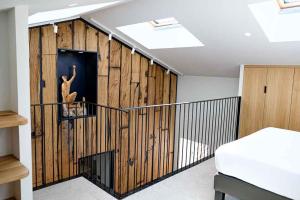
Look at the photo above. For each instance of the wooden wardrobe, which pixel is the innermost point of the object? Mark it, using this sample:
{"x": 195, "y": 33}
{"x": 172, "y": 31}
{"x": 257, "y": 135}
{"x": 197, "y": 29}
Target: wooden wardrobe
{"x": 270, "y": 98}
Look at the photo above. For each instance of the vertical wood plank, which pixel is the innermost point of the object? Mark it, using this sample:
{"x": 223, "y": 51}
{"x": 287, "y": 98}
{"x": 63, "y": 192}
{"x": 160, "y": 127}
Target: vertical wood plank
{"x": 114, "y": 99}
{"x": 150, "y": 123}
{"x": 79, "y": 35}
{"x": 103, "y": 51}
{"x": 64, "y": 35}
{"x": 50, "y": 116}
{"x": 34, "y": 64}
{"x": 158, "y": 122}
{"x": 134, "y": 134}
{"x": 124, "y": 103}
{"x": 91, "y": 39}
{"x": 103, "y": 62}
{"x": 48, "y": 41}
{"x": 142, "y": 123}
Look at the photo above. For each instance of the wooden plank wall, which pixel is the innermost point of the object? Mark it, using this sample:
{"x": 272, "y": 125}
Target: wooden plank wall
{"x": 144, "y": 147}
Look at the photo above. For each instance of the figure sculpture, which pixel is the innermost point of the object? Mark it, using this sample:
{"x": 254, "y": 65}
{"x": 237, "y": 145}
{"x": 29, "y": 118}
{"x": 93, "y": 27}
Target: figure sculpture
{"x": 70, "y": 108}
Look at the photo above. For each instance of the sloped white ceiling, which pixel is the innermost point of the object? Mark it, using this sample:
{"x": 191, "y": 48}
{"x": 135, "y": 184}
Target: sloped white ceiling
{"x": 219, "y": 24}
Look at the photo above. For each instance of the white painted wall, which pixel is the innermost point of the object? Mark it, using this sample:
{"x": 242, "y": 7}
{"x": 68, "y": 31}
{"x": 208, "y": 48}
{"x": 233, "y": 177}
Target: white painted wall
{"x": 15, "y": 94}
{"x": 20, "y": 92}
{"x": 195, "y": 88}
{"x": 5, "y": 136}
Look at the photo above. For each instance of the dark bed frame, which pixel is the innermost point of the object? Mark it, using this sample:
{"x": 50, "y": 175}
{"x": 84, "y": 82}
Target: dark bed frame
{"x": 224, "y": 184}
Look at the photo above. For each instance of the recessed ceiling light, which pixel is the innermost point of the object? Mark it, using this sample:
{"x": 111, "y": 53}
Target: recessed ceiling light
{"x": 247, "y": 34}
{"x": 73, "y": 4}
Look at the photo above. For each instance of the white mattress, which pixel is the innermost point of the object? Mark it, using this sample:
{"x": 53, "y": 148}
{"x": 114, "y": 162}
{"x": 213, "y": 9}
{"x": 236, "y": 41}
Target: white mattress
{"x": 269, "y": 159}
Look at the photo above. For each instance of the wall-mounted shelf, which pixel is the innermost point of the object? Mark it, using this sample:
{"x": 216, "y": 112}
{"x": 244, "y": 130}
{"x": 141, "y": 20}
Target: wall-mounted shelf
{"x": 11, "y": 169}
{"x": 11, "y": 119}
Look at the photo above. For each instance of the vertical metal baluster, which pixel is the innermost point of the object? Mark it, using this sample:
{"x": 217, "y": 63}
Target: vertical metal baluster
{"x": 128, "y": 146}
{"x": 52, "y": 135}
{"x": 205, "y": 115}
{"x": 198, "y": 122}
{"x": 142, "y": 139}
{"x": 135, "y": 159}
{"x": 191, "y": 138}
{"x": 147, "y": 141}
{"x": 219, "y": 124}
{"x": 35, "y": 138}
{"x": 159, "y": 141}
{"x": 153, "y": 143}
{"x": 183, "y": 139}
{"x": 214, "y": 127}
{"x": 195, "y": 132}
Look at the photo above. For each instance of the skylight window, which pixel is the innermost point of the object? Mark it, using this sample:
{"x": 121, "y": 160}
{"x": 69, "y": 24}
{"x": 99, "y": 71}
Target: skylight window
{"x": 277, "y": 27}
{"x": 284, "y": 4}
{"x": 161, "y": 34}
{"x": 61, "y": 14}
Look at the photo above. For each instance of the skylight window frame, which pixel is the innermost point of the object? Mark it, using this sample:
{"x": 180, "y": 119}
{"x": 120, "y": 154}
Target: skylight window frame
{"x": 284, "y": 5}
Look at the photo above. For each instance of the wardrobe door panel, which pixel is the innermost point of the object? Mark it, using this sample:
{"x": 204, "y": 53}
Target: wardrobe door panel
{"x": 295, "y": 107}
{"x": 253, "y": 99}
{"x": 278, "y": 97}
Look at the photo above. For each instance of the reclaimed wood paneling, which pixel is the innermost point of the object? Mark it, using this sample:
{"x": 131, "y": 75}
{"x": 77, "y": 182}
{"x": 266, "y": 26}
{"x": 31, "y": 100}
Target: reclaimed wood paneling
{"x": 150, "y": 121}
{"x": 79, "y": 35}
{"x": 125, "y": 103}
{"x": 142, "y": 123}
{"x": 158, "y": 122}
{"x": 65, "y": 35}
{"x": 91, "y": 39}
{"x": 144, "y": 147}
{"x": 48, "y": 41}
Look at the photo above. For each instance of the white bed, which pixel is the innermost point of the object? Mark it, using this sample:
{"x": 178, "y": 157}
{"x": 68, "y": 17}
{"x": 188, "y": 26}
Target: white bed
{"x": 269, "y": 159}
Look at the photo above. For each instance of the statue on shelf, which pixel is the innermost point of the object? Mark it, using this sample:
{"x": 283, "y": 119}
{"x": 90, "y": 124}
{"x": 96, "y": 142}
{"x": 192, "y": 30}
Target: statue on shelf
{"x": 65, "y": 88}
{"x": 70, "y": 108}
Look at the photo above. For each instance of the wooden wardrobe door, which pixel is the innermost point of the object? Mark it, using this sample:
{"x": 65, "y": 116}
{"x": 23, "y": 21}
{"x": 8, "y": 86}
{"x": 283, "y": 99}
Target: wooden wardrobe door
{"x": 295, "y": 107}
{"x": 278, "y": 97}
{"x": 253, "y": 100}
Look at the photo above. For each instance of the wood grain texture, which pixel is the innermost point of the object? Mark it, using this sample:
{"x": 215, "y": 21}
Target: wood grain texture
{"x": 79, "y": 35}
{"x": 124, "y": 80}
{"x": 64, "y": 35}
{"x": 11, "y": 169}
{"x": 150, "y": 120}
{"x": 295, "y": 111}
{"x": 278, "y": 97}
{"x": 157, "y": 159}
{"x": 253, "y": 101}
{"x": 125, "y": 103}
{"x": 104, "y": 53}
{"x": 11, "y": 119}
{"x": 48, "y": 41}
{"x": 91, "y": 39}
{"x": 142, "y": 123}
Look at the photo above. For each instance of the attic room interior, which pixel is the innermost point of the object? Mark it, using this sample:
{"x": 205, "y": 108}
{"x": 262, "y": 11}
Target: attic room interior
{"x": 146, "y": 99}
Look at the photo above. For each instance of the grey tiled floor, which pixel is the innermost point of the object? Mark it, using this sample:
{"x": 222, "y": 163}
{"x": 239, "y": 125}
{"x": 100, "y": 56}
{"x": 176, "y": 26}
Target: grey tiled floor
{"x": 193, "y": 184}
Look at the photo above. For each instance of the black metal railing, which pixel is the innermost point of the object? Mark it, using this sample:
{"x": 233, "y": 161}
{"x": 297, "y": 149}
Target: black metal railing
{"x": 125, "y": 150}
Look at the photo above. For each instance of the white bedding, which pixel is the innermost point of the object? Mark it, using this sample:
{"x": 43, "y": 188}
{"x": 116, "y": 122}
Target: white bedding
{"x": 269, "y": 159}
